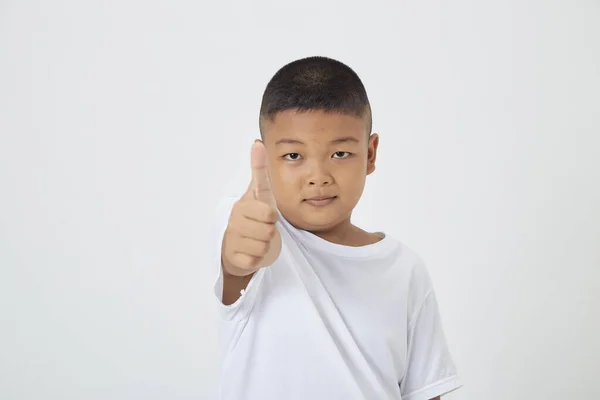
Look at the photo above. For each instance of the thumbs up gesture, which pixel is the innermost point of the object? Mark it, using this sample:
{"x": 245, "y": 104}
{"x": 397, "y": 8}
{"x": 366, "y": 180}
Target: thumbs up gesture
{"x": 261, "y": 184}
{"x": 251, "y": 240}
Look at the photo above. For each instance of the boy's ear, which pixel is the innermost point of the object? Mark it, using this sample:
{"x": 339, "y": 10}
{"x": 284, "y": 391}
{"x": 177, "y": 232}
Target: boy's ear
{"x": 372, "y": 152}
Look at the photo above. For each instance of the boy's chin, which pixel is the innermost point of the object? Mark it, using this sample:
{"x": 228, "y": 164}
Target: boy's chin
{"x": 317, "y": 221}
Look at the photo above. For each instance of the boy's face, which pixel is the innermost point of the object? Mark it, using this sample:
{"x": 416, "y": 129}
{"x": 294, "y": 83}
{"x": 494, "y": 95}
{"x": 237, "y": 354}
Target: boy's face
{"x": 314, "y": 155}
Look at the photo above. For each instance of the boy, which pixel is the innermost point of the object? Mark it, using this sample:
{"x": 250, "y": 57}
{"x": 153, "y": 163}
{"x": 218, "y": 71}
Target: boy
{"x": 311, "y": 306}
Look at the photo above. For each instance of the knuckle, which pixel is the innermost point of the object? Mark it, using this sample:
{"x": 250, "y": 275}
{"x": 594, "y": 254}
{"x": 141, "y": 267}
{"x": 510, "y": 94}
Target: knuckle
{"x": 263, "y": 248}
{"x": 270, "y": 231}
{"x": 252, "y": 262}
{"x": 273, "y": 215}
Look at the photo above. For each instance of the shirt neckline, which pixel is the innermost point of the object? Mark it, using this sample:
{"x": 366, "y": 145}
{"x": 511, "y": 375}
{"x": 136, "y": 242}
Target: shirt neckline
{"x": 314, "y": 241}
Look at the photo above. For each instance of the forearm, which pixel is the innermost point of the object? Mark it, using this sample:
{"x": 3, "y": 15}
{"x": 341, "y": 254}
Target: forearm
{"x": 233, "y": 284}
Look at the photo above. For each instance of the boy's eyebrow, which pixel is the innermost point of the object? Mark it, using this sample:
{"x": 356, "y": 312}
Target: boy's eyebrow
{"x": 288, "y": 141}
{"x": 345, "y": 139}
{"x": 338, "y": 140}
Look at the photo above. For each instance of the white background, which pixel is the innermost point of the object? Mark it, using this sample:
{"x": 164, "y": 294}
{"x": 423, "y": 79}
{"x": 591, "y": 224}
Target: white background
{"x": 122, "y": 123}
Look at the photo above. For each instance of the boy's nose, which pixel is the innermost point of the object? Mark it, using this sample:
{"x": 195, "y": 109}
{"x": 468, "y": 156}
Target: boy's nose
{"x": 315, "y": 182}
{"x": 318, "y": 175}
{"x": 320, "y": 179}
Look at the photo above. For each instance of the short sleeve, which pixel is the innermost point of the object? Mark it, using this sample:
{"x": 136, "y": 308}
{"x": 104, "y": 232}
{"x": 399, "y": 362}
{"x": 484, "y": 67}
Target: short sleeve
{"x": 430, "y": 370}
{"x": 241, "y": 308}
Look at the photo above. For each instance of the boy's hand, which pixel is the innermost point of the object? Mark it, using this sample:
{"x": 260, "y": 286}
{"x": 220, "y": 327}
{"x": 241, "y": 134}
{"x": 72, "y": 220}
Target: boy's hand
{"x": 251, "y": 240}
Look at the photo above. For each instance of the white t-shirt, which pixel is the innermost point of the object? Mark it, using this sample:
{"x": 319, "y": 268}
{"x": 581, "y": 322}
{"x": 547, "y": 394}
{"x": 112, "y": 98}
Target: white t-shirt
{"x": 332, "y": 322}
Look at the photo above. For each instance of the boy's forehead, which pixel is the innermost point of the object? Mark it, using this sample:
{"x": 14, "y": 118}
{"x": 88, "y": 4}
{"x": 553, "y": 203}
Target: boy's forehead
{"x": 292, "y": 124}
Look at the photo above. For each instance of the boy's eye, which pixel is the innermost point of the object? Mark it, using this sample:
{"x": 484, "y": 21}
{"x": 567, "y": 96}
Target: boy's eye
{"x": 292, "y": 156}
{"x": 341, "y": 154}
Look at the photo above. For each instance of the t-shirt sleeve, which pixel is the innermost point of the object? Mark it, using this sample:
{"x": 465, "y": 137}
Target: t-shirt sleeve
{"x": 242, "y": 307}
{"x": 430, "y": 370}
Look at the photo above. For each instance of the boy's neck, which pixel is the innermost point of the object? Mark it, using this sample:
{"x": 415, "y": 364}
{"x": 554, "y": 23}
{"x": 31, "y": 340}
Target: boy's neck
{"x": 347, "y": 234}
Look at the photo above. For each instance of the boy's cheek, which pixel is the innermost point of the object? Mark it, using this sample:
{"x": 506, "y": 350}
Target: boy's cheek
{"x": 285, "y": 178}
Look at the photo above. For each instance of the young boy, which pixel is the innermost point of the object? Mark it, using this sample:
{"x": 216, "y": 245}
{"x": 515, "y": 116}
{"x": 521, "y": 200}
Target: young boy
{"x": 311, "y": 306}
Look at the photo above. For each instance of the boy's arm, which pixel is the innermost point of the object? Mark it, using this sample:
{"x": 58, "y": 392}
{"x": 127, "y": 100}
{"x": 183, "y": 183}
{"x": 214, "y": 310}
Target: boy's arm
{"x": 251, "y": 240}
{"x": 430, "y": 371}
{"x": 233, "y": 286}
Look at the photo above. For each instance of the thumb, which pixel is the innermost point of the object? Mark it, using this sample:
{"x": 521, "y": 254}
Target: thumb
{"x": 261, "y": 183}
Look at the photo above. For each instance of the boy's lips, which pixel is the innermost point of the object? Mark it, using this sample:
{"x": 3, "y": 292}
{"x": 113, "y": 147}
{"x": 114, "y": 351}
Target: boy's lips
{"x": 320, "y": 200}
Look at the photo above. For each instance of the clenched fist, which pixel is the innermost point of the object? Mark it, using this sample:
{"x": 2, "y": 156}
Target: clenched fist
{"x": 251, "y": 240}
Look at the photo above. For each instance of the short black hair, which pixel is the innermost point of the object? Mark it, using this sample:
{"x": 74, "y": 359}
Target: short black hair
{"x": 315, "y": 83}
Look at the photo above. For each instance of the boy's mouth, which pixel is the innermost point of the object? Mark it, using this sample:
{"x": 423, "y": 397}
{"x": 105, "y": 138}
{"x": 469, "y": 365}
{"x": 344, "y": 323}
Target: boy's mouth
{"x": 320, "y": 200}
